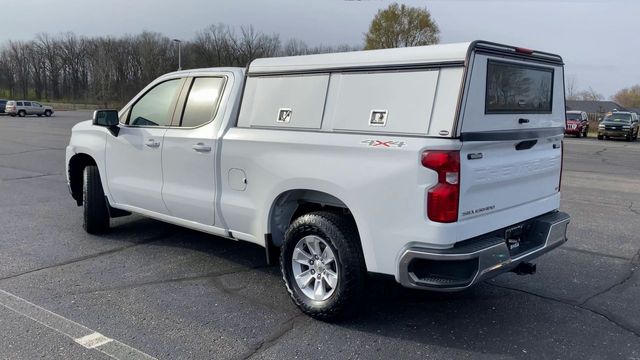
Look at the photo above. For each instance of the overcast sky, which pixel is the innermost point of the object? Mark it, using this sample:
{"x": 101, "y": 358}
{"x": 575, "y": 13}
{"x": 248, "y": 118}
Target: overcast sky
{"x": 599, "y": 39}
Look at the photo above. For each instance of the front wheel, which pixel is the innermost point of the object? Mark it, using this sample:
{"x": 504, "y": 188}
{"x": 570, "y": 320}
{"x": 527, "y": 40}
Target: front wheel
{"x": 47, "y": 113}
{"x": 579, "y": 134}
{"x": 22, "y": 113}
{"x": 322, "y": 264}
{"x": 96, "y": 214}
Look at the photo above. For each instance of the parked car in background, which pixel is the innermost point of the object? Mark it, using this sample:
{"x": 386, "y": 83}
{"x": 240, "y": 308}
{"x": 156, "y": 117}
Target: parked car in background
{"x": 619, "y": 124}
{"x": 577, "y": 123}
{"x": 3, "y": 103}
{"x": 23, "y": 108}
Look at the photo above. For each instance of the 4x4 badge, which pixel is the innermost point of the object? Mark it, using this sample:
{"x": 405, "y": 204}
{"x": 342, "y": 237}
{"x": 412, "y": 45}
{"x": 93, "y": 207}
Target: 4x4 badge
{"x": 383, "y": 143}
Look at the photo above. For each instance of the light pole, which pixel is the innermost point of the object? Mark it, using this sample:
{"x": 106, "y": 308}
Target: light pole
{"x": 179, "y": 53}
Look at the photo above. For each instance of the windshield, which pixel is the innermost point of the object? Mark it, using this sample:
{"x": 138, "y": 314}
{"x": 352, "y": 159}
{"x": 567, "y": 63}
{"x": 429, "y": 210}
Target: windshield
{"x": 625, "y": 118}
{"x": 573, "y": 116}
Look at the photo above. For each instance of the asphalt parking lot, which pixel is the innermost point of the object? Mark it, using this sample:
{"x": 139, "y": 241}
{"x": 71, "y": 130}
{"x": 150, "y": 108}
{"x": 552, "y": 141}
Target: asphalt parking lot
{"x": 173, "y": 293}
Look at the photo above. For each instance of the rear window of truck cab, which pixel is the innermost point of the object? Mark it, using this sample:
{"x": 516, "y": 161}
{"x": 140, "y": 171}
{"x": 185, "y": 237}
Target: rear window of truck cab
{"x": 518, "y": 88}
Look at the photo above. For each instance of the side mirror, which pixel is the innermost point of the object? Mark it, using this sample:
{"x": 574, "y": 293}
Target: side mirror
{"x": 108, "y": 119}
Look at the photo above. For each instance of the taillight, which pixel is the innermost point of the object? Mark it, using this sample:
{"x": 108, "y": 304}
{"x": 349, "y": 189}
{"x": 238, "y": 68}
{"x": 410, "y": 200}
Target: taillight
{"x": 443, "y": 198}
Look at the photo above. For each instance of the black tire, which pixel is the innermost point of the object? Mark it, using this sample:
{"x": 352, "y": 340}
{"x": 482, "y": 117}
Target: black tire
{"x": 96, "y": 213}
{"x": 47, "y": 113}
{"x": 39, "y": 115}
{"x": 340, "y": 234}
{"x": 13, "y": 115}
{"x": 22, "y": 113}
{"x": 629, "y": 136}
{"x": 600, "y": 137}
{"x": 586, "y": 132}
{"x": 579, "y": 134}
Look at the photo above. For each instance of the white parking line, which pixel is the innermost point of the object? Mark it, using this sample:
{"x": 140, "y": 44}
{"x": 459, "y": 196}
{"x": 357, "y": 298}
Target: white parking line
{"x": 93, "y": 340}
{"x": 81, "y": 334}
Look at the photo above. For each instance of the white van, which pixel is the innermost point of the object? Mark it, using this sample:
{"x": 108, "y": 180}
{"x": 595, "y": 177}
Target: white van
{"x": 437, "y": 165}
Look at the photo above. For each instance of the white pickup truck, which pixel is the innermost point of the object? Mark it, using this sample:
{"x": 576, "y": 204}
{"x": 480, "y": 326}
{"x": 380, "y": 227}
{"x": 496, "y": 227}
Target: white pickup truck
{"x": 437, "y": 165}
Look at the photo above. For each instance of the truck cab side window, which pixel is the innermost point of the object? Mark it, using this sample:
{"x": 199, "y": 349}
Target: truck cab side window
{"x": 202, "y": 101}
{"x": 155, "y": 108}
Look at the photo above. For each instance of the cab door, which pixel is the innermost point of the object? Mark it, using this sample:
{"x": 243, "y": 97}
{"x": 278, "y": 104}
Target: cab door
{"x": 27, "y": 107}
{"x": 189, "y": 152}
{"x": 36, "y": 108}
{"x": 134, "y": 157}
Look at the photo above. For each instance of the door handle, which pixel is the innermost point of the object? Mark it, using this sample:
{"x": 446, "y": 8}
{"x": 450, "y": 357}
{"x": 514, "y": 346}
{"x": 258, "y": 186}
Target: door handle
{"x": 201, "y": 147}
{"x": 152, "y": 143}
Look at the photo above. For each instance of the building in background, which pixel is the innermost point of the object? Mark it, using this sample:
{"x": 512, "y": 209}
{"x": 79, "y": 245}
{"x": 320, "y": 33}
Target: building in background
{"x": 595, "y": 109}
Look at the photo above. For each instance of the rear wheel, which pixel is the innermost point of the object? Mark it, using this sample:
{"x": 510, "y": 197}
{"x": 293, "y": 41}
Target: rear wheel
{"x": 600, "y": 137}
{"x": 585, "y": 131}
{"x": 96, "y": 214}
{"x": 22, "y": 113}
{"x": 47, "y": 113}
{"x": 322, "y": 264}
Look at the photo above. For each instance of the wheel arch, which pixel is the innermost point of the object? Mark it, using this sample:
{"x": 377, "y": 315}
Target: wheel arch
{"x": 290, "y": 204}
{"x": 77, "y": 163}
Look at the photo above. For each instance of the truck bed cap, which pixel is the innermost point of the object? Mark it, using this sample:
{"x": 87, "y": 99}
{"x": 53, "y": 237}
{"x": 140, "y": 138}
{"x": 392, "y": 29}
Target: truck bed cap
{"x": 432, "y": 55}
{"x": 446, "y": 53}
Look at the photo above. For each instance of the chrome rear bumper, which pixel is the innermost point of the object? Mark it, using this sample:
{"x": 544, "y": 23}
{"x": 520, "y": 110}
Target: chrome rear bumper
{"x": 481, "y": 258}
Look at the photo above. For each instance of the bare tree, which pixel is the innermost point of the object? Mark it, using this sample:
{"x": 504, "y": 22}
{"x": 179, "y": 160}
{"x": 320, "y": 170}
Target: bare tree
{"x": 629, "y": 97}
{"x": 252, "y": 44}
{"x": 107, "y": 70}
{"x": 571, "y": 88}
{"x": 589, "y": 95}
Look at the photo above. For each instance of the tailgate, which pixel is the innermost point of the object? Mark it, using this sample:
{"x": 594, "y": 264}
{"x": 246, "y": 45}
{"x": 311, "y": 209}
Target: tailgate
{"x": 496, "y": 176}
{"x": 511, "y": 126}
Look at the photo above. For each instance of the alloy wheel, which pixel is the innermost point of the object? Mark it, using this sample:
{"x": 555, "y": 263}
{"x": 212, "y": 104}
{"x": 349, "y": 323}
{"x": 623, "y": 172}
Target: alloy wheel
{"x": 315, "y": 268}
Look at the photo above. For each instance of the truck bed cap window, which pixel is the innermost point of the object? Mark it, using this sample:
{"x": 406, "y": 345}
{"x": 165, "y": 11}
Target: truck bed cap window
{"x": 517, "y": 88}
